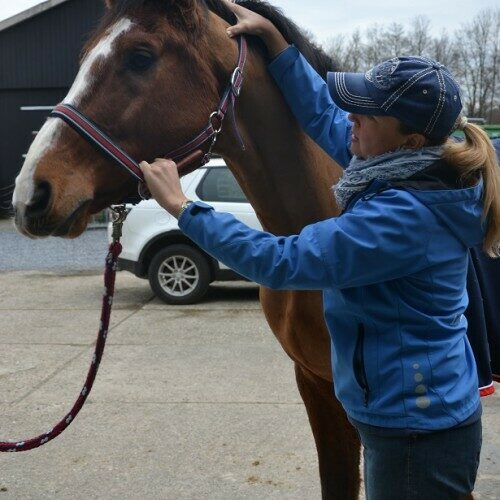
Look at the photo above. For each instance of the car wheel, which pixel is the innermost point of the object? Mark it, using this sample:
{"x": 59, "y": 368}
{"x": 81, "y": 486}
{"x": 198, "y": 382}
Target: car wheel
{"x": 179, "y": 274}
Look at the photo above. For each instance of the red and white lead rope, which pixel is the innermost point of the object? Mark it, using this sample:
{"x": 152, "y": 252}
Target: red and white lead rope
{"x": 107, "y": 303}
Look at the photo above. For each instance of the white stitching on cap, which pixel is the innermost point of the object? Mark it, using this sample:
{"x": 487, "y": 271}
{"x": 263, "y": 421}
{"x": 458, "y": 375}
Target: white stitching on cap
{"x": 408, "y": 84}
{"x": 455, "y": 123}
{"x": 425, "y": 60}
{"x": 440, "y": 104}
{"x": 344, "y": 94}
{"x": 450, "y": 76}
{"x": 354, "y": 96}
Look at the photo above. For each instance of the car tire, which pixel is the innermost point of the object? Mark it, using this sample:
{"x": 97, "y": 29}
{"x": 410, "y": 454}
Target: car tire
{"x": 179, "y": 274}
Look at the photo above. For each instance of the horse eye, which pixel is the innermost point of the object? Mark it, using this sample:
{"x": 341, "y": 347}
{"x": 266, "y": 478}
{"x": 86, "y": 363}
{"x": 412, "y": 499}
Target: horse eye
{"x": 140, "y": 60}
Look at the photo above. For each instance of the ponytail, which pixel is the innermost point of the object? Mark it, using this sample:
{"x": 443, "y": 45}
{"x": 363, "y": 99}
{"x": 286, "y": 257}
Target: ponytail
{"x": 473, "y": 158}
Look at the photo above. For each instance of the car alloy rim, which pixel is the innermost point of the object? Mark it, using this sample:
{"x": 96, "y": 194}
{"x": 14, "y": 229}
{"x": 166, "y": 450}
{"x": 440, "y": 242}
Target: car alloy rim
{"x": 178, "y": 275}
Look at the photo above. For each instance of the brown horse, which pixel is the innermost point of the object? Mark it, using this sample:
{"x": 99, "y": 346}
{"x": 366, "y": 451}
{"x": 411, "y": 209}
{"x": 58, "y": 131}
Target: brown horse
{"x": 150, "y": 77}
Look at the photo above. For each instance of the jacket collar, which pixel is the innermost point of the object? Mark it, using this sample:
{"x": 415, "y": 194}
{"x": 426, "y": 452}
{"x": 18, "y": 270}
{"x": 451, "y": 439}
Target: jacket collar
{"x": 437, "y": 177}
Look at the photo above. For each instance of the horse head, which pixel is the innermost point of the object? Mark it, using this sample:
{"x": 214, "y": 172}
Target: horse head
{"x": 150, "y": 76}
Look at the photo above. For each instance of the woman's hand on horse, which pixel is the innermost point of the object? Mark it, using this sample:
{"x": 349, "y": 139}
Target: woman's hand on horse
{"x": 162, "y": 179}
{"x": 251, "y": 23}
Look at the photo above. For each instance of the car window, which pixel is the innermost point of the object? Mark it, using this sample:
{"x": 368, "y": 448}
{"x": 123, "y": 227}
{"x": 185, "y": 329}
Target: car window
{"x": 219, "y": 184}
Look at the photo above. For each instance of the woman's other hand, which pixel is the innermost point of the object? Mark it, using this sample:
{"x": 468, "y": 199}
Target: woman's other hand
{"x": 162, "y": 179}
{"x": 251, "y": 23}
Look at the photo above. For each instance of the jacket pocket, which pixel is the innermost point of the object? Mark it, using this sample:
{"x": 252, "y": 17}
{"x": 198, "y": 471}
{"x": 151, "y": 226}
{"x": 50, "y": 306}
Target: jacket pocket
{"x": 359, "y": 363}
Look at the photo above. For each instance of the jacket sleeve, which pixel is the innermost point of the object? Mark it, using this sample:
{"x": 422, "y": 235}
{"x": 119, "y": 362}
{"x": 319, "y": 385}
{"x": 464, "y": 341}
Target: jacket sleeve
{"x": 381, "y": 241}
{"x": 308, "y": 97}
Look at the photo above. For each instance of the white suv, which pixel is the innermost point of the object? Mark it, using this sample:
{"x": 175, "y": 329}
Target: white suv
{"x": 179, "y": 272}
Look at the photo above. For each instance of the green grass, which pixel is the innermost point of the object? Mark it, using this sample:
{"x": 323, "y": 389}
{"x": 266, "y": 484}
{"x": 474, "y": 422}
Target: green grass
{"x": 492, "y": 130}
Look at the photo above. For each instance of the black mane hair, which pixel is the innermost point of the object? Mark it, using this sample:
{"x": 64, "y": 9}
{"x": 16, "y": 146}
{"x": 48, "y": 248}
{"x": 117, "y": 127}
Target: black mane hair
{"x": 320, "y": 61}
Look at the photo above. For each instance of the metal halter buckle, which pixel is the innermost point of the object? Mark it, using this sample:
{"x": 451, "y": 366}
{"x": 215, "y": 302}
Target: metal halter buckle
{"x": 237, "y": 73}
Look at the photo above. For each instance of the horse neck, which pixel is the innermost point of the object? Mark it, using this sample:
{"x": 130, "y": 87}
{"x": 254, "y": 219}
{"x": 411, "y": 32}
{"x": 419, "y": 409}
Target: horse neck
{"x": 286, "y": 177}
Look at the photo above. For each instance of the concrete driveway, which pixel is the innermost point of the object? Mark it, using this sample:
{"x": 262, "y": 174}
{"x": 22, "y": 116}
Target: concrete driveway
{"x": 190, "y": 402}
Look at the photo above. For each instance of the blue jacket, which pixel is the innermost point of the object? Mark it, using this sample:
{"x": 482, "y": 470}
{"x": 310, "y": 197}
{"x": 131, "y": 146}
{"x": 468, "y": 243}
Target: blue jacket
{"x": 392, "y": 269}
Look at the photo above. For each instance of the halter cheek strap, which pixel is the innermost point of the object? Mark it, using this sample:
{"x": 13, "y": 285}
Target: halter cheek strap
{"x": 188, "y": 157}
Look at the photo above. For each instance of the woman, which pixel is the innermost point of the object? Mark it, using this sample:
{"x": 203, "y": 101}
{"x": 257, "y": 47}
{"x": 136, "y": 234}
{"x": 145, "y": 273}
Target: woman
{"x": 392, "y": 267}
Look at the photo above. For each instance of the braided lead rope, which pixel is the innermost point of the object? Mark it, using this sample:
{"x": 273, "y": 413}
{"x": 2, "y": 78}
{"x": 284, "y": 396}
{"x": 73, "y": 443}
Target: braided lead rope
{"x": 111, "y": 266}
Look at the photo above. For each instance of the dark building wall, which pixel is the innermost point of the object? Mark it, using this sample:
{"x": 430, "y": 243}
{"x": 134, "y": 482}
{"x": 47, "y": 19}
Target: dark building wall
{"x": 43, "y": 51}
{"x": 16, "y": 132}
{"x": 16, "y": 126}
{"x": 38, "y": 62}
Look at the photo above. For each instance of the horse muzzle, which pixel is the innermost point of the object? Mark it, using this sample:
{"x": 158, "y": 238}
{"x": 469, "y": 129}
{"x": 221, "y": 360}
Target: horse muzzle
{"x": 38, "y": 218}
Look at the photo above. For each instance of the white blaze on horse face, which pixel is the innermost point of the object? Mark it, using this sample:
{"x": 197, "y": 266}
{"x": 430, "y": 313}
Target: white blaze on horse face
{"x": 51, "y": 130}
{"x": 102, "y": 50}
{"x": 24, "y": 183}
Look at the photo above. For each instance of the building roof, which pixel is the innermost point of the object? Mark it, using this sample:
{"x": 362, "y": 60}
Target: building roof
{"x": 29, "y": 13}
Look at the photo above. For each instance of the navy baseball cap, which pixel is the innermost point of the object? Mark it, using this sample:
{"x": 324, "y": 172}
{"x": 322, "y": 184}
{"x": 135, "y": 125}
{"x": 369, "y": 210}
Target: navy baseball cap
{"x": 418, "y": 91}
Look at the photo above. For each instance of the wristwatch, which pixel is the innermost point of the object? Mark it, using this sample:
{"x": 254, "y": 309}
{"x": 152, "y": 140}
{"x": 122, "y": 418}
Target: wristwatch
{"x": 184, "y": 205}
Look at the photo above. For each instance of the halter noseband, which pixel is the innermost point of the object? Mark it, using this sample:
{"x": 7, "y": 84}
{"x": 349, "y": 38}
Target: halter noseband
{"x": 188, "y": 157}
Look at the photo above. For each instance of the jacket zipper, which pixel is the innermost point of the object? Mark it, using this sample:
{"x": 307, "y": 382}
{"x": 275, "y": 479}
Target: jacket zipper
{"x": 360, "y": 370}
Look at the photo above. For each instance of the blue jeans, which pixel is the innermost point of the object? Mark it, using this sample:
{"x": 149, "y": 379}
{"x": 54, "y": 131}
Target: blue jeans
{"x": 439, "y": 465}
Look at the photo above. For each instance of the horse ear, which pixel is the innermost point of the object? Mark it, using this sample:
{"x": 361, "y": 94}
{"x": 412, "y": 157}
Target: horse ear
{"x": 109, "y": 3}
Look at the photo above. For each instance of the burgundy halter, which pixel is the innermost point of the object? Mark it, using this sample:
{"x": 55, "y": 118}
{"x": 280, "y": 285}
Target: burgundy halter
{"x": 188, "y": 157}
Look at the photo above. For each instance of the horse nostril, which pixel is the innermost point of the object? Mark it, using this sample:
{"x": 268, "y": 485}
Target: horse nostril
{"x": 41, "y": 200}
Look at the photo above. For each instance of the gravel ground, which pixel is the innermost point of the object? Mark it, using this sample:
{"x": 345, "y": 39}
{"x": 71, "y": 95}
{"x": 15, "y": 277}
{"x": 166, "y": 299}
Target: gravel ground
{"x": 18, "y": 253}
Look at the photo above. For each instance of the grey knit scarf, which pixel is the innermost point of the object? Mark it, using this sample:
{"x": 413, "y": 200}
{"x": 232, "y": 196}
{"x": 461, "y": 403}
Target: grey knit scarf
{"x": 396, "y": 165}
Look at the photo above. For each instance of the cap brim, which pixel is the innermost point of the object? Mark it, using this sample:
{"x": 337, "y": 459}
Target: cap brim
{"x": 350, "y": 93}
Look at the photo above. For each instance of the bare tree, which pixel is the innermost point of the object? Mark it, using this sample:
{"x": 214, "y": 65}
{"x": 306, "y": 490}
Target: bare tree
{"x": 478, "y": 43}
{"x": 348, "y": 52}
{"x": 396, "y": 40}
{"x": 472, "y": 54}
{"x": 419, "y": 38}
{"x": 444, "y": 50}
{"x": 495, "y": 62}
{"x": 375, "y": 46}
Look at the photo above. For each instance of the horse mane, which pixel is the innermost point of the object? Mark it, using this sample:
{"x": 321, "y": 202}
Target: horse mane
{"x": 318, "y": 59}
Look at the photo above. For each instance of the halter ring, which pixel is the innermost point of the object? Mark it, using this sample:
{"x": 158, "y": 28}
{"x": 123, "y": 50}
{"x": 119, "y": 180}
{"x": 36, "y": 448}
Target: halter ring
{"x": 210, "y": 122}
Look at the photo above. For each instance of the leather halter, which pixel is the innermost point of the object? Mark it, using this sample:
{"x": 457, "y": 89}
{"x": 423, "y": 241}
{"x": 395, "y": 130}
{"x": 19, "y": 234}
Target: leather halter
{"x": 188, "y": 157}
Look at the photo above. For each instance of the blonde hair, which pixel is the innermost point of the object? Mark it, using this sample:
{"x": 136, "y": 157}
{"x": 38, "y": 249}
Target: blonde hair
{"x": 476, "y": 157}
